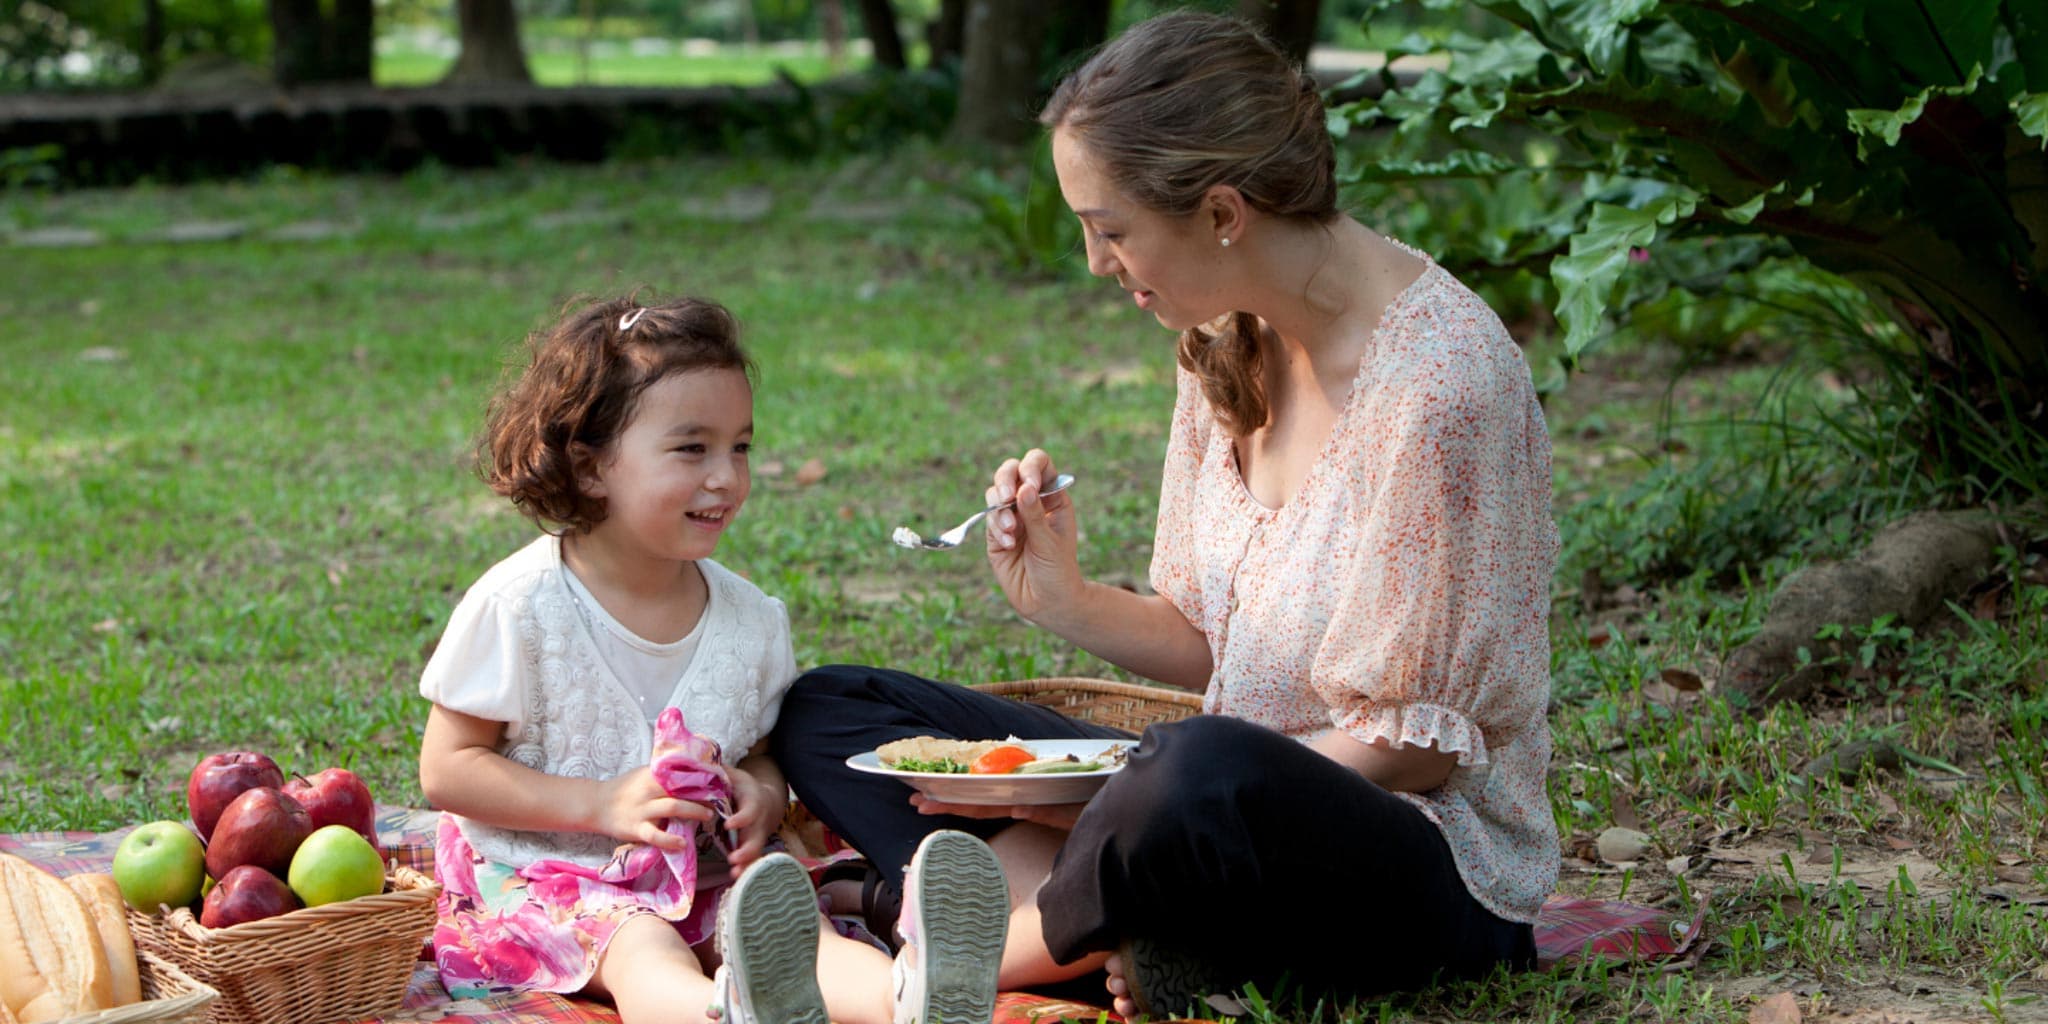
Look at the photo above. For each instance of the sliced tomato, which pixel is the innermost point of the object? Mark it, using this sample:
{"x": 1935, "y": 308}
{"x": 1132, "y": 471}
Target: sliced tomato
{"x": 1001, "y": 761}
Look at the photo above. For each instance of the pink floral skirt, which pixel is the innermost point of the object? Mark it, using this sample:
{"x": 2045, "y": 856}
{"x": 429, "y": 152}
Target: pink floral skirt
{"x": 499, "y": 931}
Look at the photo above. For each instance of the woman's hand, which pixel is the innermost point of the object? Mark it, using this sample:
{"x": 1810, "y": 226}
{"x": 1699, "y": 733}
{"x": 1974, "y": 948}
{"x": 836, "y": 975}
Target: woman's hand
{"x": 1032, "y": 547}
{"x": 758, "y": 806}
{"x": 634, "y": 808}
{"x": 1059, "y": 816}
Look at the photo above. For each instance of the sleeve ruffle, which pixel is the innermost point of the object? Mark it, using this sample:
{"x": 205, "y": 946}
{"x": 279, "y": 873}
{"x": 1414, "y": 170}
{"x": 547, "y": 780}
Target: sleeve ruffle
{"x": 1417, "y": 725}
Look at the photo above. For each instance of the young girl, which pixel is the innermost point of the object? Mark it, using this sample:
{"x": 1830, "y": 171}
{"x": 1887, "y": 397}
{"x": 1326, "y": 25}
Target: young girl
{"x": 600, "y": 703}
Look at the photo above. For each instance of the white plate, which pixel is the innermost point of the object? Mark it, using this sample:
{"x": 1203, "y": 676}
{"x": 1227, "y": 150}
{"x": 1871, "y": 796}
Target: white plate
{"x": 1048, "y": 788}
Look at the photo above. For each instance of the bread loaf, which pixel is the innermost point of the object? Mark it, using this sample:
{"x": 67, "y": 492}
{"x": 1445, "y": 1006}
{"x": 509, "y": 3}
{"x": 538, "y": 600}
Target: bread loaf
{"x": 52, "y": 965}
{"x": 103, "y": 899}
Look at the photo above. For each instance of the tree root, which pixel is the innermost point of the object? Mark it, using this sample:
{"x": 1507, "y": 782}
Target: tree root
{"x": 1908, "y": 572}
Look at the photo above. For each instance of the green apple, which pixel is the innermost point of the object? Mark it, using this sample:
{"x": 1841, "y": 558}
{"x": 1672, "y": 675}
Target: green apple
{"x": 161, "y": 864}
{"x": 335, "y": 863}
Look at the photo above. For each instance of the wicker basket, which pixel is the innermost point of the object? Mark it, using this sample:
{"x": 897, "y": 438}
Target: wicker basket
{"x": 1128, "y": 706}
{"x": 334, "y": 962}
{"x": 169, "y": 996}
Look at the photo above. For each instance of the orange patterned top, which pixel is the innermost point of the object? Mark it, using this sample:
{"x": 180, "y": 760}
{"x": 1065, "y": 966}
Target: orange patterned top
{"x": 1403, "y": 593}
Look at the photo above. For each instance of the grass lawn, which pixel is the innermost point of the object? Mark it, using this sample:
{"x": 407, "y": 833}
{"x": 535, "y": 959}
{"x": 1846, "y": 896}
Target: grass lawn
{"x": 730, "y": 66}
{"x": 236, "y": 508}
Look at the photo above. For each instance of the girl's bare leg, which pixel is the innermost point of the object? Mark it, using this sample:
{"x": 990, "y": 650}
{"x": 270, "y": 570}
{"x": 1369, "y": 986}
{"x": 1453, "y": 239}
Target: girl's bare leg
{"x": 651, "y": 975}
{"x": 854, "y": 978}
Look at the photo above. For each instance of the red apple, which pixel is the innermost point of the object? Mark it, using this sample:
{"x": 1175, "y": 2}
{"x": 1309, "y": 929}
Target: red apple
{"x": 263, "y": 827}
{"x": 247, "y": 893}
{"x": 219, "y": 778}
{"x": 336, "y": 796}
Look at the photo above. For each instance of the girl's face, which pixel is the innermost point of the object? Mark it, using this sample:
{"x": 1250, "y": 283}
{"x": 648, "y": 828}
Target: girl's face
{"x": 1170, "y": 265}
{"x": 676, "y": 476}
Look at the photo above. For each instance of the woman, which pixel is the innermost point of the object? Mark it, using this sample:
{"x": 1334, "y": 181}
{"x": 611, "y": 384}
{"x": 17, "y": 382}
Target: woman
{"x": 1352, "y": 562}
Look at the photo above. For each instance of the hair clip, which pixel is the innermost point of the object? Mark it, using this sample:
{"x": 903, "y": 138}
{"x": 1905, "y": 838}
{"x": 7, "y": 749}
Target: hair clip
{"x": 626, "y": 322}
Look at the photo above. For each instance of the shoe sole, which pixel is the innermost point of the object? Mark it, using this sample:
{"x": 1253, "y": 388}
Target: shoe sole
{"x": 1165, "y": 984}
{"x": 774, "y": 942}
{"x": 963, "y": 908}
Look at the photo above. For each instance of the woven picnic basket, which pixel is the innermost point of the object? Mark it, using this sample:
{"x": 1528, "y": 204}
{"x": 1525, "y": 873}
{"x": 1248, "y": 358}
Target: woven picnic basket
{"x": 1129, "y": 706}
{"x": 338, "y": 961}
{"x": 169, "y": 996}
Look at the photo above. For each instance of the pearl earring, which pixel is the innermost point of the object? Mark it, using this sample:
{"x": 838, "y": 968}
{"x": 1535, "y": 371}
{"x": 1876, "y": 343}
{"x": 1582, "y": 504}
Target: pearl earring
{"x": 1226, "y": 243}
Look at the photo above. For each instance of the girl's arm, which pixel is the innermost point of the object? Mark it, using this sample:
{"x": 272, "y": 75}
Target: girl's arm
{"x": 461, "y": 771}
{"x": 760, "y": 797}
{"x": 1033, "y": 552}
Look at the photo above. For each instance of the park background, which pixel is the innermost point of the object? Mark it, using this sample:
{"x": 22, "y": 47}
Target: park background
{"x": 1773, "y": 265}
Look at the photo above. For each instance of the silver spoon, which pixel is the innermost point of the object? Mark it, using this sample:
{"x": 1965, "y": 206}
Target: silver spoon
{"x": 908, "y": 538}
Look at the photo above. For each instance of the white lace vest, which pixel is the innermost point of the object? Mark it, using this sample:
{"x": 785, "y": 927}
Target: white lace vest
{"x": 582, "y": 722}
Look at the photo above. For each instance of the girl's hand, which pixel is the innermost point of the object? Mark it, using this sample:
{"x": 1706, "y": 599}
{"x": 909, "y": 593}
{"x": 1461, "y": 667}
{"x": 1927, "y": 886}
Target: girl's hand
{"x": 634, "y": 808}
{"x": 1059, "y": 816}
{"x": 757, "y": 812}
{"x": 1032, "y": 547}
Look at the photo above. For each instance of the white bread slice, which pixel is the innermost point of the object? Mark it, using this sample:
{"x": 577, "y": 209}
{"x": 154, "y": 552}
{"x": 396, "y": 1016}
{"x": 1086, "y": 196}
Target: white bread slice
{"x": 103, "y": 898}
{"x": 52, "y": 965}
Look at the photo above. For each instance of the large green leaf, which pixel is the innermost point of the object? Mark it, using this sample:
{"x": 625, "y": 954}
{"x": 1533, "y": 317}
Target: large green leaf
{"x": 1586, "y": 275}
{"x": 2032, "y": 111}
{"x": 1888, "y": 124}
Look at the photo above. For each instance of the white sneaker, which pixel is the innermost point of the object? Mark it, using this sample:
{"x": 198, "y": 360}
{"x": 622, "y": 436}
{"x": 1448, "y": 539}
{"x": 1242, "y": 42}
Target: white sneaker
{"x": 768, "y": 935}
{"x": 956, "y": 916}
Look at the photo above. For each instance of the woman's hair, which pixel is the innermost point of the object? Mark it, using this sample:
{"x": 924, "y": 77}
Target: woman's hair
{"x": 1186, "y": 101}
{"x": 578, "y": 390}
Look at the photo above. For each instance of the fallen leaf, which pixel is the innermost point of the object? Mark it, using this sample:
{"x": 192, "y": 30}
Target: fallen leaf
{"x": 1897, "y": 843}
{"x": 106, "y": 625}
{"x": 115, "y": 790}
{"x": 1680, "y": 679}
{"x": 1599, "y": 636}
{"x": 1782, "y": 1008}
{"x": 810, "y": 472}
{"x": 1620, "y": 845}
{"x": 773, "y": 467}
{"x": 846, "y": 513}
{"x": 1678, "y": 865}
{"x": 101, "y": 354}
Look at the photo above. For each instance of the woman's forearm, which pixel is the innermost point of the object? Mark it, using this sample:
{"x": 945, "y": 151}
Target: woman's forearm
{"x": 1140, "y": 633}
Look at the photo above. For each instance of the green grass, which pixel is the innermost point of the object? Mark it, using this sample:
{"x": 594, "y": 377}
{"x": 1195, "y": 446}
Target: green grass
{"x": 235, "y": 508}
{"x": 730, "y": 66}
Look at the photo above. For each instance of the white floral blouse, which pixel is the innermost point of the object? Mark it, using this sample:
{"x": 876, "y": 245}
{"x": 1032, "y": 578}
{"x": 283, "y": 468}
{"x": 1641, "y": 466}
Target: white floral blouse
{"x": 1402, "y": 594}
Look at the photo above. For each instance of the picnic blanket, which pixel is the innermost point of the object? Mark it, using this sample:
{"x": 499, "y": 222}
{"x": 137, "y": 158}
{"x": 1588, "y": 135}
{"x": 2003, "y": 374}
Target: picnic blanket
{"x": 1568, "y": 930}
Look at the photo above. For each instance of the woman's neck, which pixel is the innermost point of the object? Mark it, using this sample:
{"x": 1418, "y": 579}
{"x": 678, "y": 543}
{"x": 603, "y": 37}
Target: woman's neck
{"x": 1323, "y": 288}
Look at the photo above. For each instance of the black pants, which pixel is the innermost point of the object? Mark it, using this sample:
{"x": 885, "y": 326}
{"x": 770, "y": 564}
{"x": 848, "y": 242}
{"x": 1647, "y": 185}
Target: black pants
{"x": 1225, "y": 840}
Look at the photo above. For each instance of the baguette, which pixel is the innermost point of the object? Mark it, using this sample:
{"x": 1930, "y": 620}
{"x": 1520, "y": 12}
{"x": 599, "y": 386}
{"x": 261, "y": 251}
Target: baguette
{"x": 52, "y": 965}
{"x": 103, "y": 898}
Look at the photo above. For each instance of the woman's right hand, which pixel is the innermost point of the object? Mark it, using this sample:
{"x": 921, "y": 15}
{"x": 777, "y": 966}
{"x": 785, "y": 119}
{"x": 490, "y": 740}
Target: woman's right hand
{"x": 1032, "y": 548}
{"x": 633, "y": 808}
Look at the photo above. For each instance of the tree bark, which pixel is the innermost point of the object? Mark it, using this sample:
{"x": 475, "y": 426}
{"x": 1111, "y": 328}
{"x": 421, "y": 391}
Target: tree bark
{"x": 351, "y": 37}
{"x": 151, "y": 49}
{"x": 1077, "y": 27}
{"x": 312, "y": 46}
{"x": 999, "y": 72}
{"x": 879, "y": 18}
{"x": 946, "y": 35}
{"x": 491, "y": 52}
{"x": 295, "y": 50}
{"x": 1290, "y": 24}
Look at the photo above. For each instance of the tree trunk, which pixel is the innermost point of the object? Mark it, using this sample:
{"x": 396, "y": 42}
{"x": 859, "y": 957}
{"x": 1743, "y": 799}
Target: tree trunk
{"x": 295, "y": 29}
{"x": 946, "y": 35}
{"x": 832, "y": 25}
{"x": 1290, "y": 24}
{"x": 1077, "y": 26}
{"x": 151, "y": 49}
{"x": 879, "y": 16}
{"x": 351, "y": 40}
{"x": 999, "y": 72}
{"x": 491, "y": 53}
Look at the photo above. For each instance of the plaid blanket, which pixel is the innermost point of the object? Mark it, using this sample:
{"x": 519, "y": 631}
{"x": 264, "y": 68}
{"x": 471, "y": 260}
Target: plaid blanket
{"x": 1567, "y": 931}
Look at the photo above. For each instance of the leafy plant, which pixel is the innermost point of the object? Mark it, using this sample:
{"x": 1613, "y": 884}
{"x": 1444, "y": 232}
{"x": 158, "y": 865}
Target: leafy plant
{"x": 1027, "y": 220}
{"x": 1899, "y": 143}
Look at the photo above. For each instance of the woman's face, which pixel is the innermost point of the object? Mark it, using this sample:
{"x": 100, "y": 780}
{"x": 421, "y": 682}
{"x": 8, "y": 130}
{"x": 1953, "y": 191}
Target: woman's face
{"x": 1170, "y": 265}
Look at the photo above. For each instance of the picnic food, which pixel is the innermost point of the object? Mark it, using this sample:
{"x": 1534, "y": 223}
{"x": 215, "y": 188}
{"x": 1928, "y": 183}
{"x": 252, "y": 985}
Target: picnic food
{"x": 102, "y": 898}
{"x": 335, "y": 863}
{"x": 246, "y": 893}
{"x": 335, "y": 796}
{"x": 52, "y": 962}
{"x": 219, "y": 778}
{"x": 261, "y": 827}
{"x": 160, "y": 864}
{"x": 987, "y": 757}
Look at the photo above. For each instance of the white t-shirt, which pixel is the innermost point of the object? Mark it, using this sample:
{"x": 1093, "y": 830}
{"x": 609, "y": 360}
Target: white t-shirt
{"x": 520, "y": 649}
{"x": 649, "y": 669}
